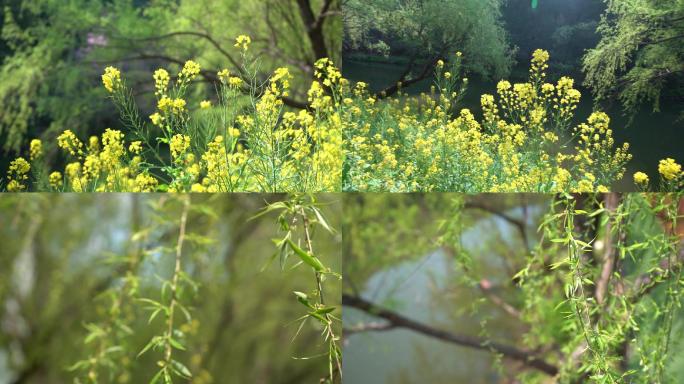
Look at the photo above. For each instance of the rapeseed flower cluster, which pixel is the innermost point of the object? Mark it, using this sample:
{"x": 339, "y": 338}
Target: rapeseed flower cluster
{"x": 671, "y": 177}
{"x": 522, "y": 142}
{"x": 248, "y": 141}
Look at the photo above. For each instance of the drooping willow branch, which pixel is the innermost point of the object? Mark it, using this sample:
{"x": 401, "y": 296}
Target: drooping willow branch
{"x": 174, "y": 281}
{"x": 169, "y": 340}
{"x": 302, "y": 209}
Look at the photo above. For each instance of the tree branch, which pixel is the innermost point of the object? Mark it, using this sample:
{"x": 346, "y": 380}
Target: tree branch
{"x": 398, "y": 320}
{"x": 424, "y": 74}
{"x": 610, "y": 203}
{"x": 314, "y": 28}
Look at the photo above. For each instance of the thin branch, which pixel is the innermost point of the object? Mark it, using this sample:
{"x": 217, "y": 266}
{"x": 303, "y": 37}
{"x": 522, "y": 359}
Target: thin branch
{"x": 519, "y": 224}
{"x": 176, "y": 275}
{"x": 367, "y": 327}
{"x": 424, "y": 74}
{"x": 610, "y": 204}
{"x": 486, "y": 288}
{"x": 398, "y": 320}
{"x": 205, "y": 36}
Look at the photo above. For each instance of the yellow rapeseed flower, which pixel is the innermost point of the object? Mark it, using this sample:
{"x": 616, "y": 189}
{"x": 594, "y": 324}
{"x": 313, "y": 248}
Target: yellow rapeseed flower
{"x": 640, "y": 178}
{"x": 190, "y": 70}
{"x": 669, "y": 169}
{"x": 70, "y": 143}
{"x": 55, "y": 180}
{"x": 35, "y": 149}
{"x": 243, "y": 42}
{"x": 111, "y": 79}
{"x": 179, "y": 144}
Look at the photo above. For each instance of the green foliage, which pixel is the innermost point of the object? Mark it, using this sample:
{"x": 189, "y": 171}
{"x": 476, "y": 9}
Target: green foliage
{"x": 298, "y": 219}
{"x": 433, "y": 28}
{"x": 596, "y": 293}
{"x": 640, "y": 51}
{"x": 40, "y": 90}
{"x": 137, "y": 289}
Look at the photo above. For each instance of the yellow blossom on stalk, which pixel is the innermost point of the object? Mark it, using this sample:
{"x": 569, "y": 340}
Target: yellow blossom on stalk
{"x": 539, "y": 58}
{"x": 235, "y": 81}
{"x": 243, "y": 42}
{"x": 156, "y": 118}
{"x": 92, "y": 167}
{"x": 144, "y": 183}
{"x": 440, "y": 63}
{"x": 93, "y": 144}
{"x": 233, "y": 132}
{"x": 55, "y": 180}
{"x": 111, "y": 79}
{"x": 35, "y": 149}
{"x": 135, "y": 147}
{"x": 669, "y": 169}
{"x": 503, "y": 86}
{"x": 179, "y": 144}
{"x": 223, "y": 75}
{"x": 205, "y": 104}
{"x": 198, "y": 188}
{"x": 178, "y": 105}
{"x": 190, "y": 70}
{"x": 640, "y": 178}
{"x": 283, "y": 75}
{"x": 161, "y": 81}
{"x": 17, "y": 174}
{"x": 70, "y": 143}
{"x": 112, "y": 148}
{"x": 166, "y": 105}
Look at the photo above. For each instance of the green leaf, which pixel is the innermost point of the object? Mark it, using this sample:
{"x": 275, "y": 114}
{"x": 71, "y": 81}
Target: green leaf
{"x": 306, "y": 258}
{"x": 157, "y": 377}
{"x": 324, "y": 310}
{"x": 321, "y": 220}
{"x": 176, "y": 344}
{"x": 181, "y": 369}
{"x": 303, "y": 298}
{"x": 152, "y": 343}
{"x": 319, "y": 317}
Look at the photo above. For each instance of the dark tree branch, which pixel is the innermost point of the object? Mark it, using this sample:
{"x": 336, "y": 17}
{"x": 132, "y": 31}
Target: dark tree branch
{"x": 205, "y": 36}
{"x": 367, "y": 327}
{"x": 314, "y": 27}
{"x": 424, "y": 74}
{"x": 398, "y": 320}
{"x": 519, "y": 224}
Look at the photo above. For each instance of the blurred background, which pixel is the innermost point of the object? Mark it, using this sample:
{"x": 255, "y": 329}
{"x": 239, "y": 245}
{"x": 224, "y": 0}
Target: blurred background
{"x": 67, "y": 259}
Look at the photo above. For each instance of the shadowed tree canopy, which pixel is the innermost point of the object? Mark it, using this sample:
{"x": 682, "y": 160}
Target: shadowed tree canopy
{"x": 639, "y": 54}
{"x": 53, "y": 51}
{"x": 426, "y": 30}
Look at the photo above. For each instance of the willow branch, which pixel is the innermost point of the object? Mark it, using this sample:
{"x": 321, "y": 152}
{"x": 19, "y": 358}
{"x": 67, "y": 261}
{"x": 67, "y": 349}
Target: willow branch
{"x": 398, "y": 320}
{"x": 176, "y": 274}
{"x": 610, "y": 204}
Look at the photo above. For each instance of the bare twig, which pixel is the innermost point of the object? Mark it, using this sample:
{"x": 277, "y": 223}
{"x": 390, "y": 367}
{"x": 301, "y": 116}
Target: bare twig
{"x": 398, "y": 320}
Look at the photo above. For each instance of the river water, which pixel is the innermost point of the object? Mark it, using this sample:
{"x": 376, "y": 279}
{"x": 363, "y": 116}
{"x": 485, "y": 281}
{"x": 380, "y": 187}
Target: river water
{"x": 652, "y": 136}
